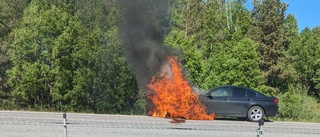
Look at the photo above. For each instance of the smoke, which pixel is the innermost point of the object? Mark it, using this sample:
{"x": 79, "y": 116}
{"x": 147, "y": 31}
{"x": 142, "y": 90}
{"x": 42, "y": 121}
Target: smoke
{"x": 143, "y": 39}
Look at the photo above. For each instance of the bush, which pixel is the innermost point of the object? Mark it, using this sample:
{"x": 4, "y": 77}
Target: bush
{"x": 7, "y": 105}
{"x": 296, "y": 106}
{"x": 140, "y": 105}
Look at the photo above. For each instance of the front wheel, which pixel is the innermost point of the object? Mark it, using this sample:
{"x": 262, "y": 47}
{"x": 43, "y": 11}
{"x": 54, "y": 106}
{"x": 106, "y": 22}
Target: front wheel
{"x": 255, "y": 113}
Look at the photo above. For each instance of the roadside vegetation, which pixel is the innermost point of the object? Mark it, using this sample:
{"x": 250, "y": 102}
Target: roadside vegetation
{"x": 69, "y": 55}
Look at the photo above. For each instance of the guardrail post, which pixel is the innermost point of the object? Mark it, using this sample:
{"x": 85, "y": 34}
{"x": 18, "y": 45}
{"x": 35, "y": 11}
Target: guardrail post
{"x": 260, "y": 129}
{"x": 65, "y": 123}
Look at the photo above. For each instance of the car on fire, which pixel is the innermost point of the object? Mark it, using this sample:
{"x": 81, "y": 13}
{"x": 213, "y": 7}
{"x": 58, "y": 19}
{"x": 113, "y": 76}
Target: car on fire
{"x": 240, "y": 102}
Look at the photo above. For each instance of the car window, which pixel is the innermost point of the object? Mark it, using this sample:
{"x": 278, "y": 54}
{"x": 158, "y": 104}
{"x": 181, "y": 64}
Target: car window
{"x": 260, "y": 95}
{"x": 238, "y": 92}
{"x": 251, "y": 94}
{"x": 220, "y": 92}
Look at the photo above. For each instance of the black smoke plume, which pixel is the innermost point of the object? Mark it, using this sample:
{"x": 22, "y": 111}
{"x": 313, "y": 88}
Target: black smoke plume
{"x": 143, "y": 38}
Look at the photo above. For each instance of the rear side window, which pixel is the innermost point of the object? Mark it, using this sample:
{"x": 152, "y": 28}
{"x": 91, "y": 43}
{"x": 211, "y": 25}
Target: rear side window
{"x": 238, "y": 92}
{"x": 251, "y": 94}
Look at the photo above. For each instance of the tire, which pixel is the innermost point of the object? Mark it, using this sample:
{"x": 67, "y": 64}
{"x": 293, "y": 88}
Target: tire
{"x": 255, "y": 114}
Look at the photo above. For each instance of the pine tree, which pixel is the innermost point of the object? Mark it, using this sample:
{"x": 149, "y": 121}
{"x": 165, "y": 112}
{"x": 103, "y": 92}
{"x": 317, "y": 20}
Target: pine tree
{"x": 268, "y": 21}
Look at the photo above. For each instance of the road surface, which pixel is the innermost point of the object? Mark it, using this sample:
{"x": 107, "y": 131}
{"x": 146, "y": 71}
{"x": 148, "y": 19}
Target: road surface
{"x": 48, "y": 124}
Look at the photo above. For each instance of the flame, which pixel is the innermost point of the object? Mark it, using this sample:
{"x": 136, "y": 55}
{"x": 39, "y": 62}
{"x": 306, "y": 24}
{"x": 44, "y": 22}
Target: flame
{"x": 172, "y": 95}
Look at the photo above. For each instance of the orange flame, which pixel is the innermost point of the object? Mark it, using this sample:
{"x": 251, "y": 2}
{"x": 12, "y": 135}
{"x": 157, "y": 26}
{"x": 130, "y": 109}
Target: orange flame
{"x": 172, "y": 95}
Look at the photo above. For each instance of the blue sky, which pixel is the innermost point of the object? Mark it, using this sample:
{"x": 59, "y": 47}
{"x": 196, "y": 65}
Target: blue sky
{"x": 307, "y": 12}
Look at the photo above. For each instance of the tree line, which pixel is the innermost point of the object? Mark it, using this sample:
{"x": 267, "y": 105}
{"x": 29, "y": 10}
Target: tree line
{"x": 68, "y": 55}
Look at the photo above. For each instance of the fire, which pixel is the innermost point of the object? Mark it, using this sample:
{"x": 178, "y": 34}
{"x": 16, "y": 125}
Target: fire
{"x": 172, "y": 95}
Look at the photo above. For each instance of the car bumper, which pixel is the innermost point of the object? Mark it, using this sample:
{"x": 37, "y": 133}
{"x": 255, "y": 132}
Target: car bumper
{"x": 272, "y": 112}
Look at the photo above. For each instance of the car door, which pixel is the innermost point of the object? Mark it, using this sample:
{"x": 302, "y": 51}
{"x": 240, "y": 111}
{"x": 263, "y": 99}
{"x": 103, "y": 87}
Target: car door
{"x": 238, "y": 102}
{"x": 217, "y": 100}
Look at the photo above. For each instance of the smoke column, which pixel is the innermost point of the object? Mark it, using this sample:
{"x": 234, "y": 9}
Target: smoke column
{"x": 143, "y": 39}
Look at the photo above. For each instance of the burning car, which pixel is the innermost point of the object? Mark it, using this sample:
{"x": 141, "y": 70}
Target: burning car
{"x": 240, "y": 102}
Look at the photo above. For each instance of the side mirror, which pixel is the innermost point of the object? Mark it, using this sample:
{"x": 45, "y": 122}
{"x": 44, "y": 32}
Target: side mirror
{"x": 209, "y": 96}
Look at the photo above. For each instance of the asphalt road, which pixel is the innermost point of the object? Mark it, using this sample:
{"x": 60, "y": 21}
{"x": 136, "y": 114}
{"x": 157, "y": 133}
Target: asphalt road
{"x": 44, "y": 124}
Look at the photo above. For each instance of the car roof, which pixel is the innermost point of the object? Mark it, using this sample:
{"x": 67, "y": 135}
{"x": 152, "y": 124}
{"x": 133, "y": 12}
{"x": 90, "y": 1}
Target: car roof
{"x": 230, "y": 86}
{"x": 258, "y": 93}
{"x": 233, "y": 86}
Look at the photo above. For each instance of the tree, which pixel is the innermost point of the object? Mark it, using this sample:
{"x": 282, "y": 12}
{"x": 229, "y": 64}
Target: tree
{"x": 316, "y": 80}
{"x": 292, "y": 40}
{"x": 306, "y": 59}
{"x": 236, "y": 59}
{"x": 41, "y": 54}
{"x": 189, "y": 24}
{"x": 215, "y": 53}
{"x": 11, "y": 12}
{"x": 103, "y": 82}
{"x": 268, "y": 21}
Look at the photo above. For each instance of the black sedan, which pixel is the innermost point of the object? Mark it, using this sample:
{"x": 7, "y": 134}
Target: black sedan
{"x": 240, "y": 102}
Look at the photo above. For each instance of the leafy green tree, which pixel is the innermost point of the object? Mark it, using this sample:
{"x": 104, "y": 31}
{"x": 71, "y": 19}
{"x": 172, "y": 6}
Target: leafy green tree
{"x": 306, "y": 59}
{"x": 236, "y": 66}
{"x": 241, "y": 67}
{"x": 315, "y": 86}
{"x": 41, "y": 56}
{"x": 215, "y": 53}
{"x": 88, "y": 58}
{"x": 11, "y": 12}
{"x": 316, "y": 80}
{"x": 103, "y": 82}
{"x": 292, "y": 40}
{"x": 188, "y": 34}
{"x": 291, "y": 30}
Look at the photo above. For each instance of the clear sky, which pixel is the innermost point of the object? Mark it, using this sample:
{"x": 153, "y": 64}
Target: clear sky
{"x": 307, "y": 12}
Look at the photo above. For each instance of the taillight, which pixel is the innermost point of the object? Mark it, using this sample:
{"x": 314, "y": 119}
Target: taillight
{"x": 275, "y": 101}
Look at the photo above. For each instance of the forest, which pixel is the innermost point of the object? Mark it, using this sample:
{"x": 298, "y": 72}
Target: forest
{"x": 96, "y": 56}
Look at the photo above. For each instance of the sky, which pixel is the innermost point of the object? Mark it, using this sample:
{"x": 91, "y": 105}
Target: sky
{"x": 307, "y": 12}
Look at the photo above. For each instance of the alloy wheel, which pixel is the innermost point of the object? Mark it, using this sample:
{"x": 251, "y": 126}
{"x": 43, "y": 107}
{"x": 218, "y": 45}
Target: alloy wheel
{"x": 255, "y": 113}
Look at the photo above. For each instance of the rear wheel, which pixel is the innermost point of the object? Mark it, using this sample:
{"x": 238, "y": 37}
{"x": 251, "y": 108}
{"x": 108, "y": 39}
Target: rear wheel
{"x": 255, "y": 113}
